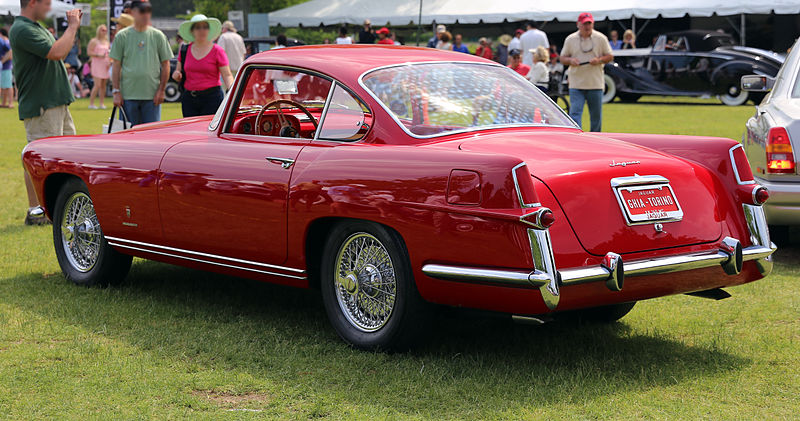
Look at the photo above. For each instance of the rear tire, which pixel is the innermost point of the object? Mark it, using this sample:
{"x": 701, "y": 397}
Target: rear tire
{"x": 172, "y": 92}
{"x": 368, "y": 288}
{"x": 81, "y": 249}
{"x": 734, "y": 96}
{"x": 605, "y": 314}
{"x": 628, "y": 97}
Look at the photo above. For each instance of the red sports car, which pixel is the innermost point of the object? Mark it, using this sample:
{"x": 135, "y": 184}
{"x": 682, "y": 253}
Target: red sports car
{"x": 390, "y": 178}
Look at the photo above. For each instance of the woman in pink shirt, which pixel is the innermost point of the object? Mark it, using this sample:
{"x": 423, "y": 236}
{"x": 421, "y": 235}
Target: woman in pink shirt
{"x": 201, "y": 65}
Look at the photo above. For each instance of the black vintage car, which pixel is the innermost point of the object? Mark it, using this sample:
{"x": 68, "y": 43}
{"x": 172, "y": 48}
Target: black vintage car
{"x": 688, "y": 63}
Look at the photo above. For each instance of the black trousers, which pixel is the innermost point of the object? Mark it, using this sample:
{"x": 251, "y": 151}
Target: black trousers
{"x": 194, "y": 103}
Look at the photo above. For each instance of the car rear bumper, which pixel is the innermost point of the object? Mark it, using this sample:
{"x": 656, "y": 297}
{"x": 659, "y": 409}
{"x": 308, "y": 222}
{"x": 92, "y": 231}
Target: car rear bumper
{"x": 783, "y": 207}
{"x": 729, "y": 255}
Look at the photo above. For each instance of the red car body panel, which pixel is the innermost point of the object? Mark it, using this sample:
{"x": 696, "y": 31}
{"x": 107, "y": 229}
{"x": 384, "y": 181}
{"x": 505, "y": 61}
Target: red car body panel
{"x": 182, "y": 187}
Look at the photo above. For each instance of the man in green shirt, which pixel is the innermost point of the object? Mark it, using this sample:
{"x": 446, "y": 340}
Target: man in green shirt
{"x": 44, "y": 92}
{"x": 142, "y": 53}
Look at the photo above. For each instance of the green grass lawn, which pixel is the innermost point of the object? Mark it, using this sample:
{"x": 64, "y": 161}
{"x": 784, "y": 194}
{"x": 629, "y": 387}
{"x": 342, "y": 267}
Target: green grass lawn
{"x": 177, "y": 343}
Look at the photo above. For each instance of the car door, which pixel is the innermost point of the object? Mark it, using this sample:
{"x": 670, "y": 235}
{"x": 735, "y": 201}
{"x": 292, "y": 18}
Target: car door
{"x": 226, "y": 196}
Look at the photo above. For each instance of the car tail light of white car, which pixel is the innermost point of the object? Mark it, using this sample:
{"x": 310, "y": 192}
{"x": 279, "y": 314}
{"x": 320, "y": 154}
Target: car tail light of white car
{"x": 780, "y": 156}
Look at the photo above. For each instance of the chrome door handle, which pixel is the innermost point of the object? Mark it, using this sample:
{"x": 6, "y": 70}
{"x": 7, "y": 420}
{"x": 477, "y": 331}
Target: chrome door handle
{"x": 285, "y": 163}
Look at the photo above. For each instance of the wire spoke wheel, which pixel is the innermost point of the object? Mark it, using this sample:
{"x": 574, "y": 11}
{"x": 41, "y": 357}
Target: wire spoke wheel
{"x": 365, "y": 282}
{"x": 80, "y": 232}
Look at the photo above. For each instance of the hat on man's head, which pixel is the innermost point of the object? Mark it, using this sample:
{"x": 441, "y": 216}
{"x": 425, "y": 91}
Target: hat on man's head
{"x": 383, "y": 30}
{"x": 229, "y": 26}
{"x": 515, "y": 52}
{"x": 504, "y": 39}
{"x": 142, "y": 5}
{"x": 367, "y": 22}
{"x": 519, "y": 32}
{"x": 127, "y": 5}
{"x": 440, "y": 29}
{"x": 585, "y": 17}
{"x": 123, "y": 21}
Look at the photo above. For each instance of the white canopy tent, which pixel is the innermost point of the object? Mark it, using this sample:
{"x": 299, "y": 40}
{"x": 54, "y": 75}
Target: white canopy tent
{"x": 11, "y": 7}
{"x": 381, "y": 12}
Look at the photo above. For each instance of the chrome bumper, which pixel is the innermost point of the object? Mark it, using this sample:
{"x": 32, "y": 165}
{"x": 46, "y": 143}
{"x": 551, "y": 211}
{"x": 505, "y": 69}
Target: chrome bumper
{"x": 729, "y": 255}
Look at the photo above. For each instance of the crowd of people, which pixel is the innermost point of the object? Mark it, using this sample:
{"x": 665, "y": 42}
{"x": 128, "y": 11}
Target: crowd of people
{"x": 49, "y": 75}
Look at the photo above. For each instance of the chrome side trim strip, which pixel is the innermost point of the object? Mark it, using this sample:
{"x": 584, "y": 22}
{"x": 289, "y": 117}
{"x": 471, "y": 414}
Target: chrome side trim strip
{"x": 472, "y": 274}
{"x": 204, "y": 261}
{"x": 197, "y": 253}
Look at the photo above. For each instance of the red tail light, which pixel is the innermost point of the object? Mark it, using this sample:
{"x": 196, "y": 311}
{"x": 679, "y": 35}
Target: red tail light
{"x": 760, "y": 195}
{"x": 741, "y": 168}
{"x": 524, "y": 185}
{"x": 780, "y": 156}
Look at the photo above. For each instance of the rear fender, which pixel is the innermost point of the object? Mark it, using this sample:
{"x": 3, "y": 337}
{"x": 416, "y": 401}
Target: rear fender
{"x": 713, "y": 154}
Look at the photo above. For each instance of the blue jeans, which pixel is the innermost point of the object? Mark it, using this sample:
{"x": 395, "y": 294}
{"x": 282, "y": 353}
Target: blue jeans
{"x": 594, "y": 99}
{"x": 141, "y": 111}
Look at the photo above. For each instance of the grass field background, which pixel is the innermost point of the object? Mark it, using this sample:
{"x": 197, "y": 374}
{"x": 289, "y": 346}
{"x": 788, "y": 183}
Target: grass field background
{"x": 174, "y": 342}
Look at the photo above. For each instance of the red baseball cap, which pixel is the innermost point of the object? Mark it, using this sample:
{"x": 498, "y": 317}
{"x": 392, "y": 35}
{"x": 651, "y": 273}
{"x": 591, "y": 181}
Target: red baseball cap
{"x": 585, "y": 17}
{"x": 383, "y": 30}
{"x": 519, "y": 32}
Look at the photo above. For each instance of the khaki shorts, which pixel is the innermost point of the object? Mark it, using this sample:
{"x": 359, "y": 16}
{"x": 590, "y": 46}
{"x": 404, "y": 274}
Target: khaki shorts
{"x": 56, "y": 121}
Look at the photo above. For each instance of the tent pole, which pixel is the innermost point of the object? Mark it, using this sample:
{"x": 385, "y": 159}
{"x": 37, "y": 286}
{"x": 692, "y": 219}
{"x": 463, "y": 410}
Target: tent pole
{"x": 419, "y": 22}
{"x": 742, "y": 30}
{"x": 633, "y": 24}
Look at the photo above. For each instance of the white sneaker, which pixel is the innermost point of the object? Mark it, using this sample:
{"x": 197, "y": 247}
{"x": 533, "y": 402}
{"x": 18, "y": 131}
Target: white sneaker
{"x": 102, "y": 107}
{"x": 93, "y": 107}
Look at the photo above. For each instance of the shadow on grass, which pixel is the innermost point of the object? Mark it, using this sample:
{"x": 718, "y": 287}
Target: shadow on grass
{"x": 281, "y": 334}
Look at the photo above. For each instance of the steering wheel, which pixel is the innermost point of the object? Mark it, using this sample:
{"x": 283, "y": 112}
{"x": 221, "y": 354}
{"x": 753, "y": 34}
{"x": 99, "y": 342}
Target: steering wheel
{"x": 287, "y": 130}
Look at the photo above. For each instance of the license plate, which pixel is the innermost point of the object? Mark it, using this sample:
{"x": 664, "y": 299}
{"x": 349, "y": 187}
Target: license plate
{"x": 649, "y": 203}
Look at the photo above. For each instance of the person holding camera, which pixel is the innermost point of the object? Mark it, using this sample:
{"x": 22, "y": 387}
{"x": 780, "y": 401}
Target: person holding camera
{"x": 42, "y": 82}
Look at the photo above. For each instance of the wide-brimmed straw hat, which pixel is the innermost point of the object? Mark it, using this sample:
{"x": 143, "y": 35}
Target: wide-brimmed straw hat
{"x": 504, "y": 39}
{"x": 214, "y": 27}
{"x": 124, "y": 20}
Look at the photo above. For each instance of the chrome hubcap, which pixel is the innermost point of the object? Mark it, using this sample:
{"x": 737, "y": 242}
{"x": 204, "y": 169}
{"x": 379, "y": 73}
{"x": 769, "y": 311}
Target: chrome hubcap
{"x": 80, "y": 232}
{"x": 365, "y": 282}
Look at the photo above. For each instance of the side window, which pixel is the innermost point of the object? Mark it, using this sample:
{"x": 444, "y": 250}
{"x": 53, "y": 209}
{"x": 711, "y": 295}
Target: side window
{"x": 347, "y": 118}
{"x": 279, "y": 103}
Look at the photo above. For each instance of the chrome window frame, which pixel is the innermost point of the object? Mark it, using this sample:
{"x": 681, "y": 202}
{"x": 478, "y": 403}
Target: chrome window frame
{"x": 465, "y": 130}
{"x": 224, "y": 129}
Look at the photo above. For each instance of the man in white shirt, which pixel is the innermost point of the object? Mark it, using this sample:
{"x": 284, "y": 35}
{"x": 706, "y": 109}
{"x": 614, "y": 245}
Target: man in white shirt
{"x": 530, "y": 40}
{"x": 233, "y": 44}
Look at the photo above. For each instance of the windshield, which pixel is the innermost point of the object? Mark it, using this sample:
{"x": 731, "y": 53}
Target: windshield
{"x": 429, "y": 99}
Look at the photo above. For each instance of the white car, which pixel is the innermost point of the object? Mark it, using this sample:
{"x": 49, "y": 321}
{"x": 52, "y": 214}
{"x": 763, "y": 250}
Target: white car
{"x": 772, "y": 142}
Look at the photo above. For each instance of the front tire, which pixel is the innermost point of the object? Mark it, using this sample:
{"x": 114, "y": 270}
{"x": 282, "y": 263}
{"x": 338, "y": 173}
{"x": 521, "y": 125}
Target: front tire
{"x": 81, "y": 249}
{"x": 368, "y": 287}
{"x": 610, "y": 90}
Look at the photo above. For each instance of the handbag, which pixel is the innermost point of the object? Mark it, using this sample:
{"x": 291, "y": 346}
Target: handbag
{"x": 117, "y": 125}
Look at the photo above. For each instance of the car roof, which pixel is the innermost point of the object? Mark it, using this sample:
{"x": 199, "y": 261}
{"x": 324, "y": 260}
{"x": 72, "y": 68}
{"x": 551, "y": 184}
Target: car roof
{"x": 347, "y": 62}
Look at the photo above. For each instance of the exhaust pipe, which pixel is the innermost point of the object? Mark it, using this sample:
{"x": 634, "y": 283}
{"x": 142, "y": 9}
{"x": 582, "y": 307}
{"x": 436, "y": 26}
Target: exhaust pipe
{"x": 733, "y": 248}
